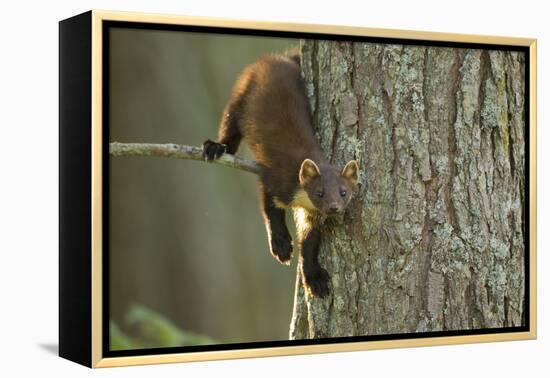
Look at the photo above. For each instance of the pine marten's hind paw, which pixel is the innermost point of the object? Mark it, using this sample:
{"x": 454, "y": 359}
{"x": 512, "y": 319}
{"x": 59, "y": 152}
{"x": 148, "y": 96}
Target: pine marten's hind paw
{"x": 316, "y": 282}
{"x": 212, "y": 150}
{"x": 281, "y": 248}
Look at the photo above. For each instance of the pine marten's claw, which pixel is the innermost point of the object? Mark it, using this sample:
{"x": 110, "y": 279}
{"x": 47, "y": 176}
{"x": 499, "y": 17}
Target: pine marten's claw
{"x": 316, "y": 282}
{"x": 212, "y": 150}
{"x": 281, "y": 248}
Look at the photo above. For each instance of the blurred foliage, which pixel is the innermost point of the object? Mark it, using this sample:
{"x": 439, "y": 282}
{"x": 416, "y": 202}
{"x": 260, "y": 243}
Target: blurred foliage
{"x": 187, "y": 239}
{"x": 118, "y": 339}
{"x": 147, "y": 329}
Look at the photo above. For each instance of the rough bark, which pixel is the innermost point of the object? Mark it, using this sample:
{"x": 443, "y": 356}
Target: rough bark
{"x": 434, "y": 237}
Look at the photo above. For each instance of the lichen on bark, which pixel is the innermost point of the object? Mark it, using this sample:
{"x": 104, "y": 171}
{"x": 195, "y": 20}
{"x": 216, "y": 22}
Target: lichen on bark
{"x": 434, "y": 237}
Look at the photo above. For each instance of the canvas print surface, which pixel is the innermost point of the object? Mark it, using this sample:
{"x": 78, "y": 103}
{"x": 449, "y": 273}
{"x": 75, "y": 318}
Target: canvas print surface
{"x": 385, "y": 193}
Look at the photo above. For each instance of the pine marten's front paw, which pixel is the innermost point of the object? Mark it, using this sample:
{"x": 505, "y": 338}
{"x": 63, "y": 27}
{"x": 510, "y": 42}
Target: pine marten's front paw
{"x": 281, "y": 248}
{"x": 212, "y": 150}
{"x": 316, "y": 281}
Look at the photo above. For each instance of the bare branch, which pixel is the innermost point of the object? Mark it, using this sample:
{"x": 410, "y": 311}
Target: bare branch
{"x": 178, "y": 151}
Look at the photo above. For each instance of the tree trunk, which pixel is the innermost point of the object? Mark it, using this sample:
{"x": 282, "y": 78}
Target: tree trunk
{"x": 434, "y": 237}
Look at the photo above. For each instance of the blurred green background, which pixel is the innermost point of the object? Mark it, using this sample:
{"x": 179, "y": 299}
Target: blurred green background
{"x": 189, "y": 259}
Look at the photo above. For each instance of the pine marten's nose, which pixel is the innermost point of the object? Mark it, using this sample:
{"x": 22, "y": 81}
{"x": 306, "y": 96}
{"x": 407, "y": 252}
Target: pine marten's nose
{"x": 334, "y": 208}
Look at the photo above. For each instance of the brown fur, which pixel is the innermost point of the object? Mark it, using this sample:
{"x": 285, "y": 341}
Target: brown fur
{"x": 268, "y": 107}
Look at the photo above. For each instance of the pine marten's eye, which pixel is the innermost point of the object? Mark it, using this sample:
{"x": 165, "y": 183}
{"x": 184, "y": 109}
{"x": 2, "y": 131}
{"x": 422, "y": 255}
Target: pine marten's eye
{"x": 343, "y": 193}
{"x": 320, "y": 194}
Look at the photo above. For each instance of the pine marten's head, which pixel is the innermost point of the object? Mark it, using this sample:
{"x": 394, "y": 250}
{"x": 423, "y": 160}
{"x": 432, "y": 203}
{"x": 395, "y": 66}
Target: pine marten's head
{"x": 328, "y": 188}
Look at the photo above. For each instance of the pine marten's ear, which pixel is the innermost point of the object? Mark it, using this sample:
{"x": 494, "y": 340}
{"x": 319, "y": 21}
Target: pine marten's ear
{"x": 351, "y": 172}
{"x": 308, "y": 171}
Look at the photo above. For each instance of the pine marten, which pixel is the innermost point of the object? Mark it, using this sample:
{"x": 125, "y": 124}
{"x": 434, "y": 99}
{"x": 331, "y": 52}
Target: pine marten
{"x": 269, "y": 108}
